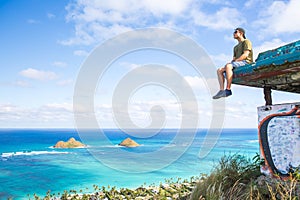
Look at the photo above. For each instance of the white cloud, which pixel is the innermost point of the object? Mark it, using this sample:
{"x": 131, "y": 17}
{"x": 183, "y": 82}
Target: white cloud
{"x": 118, "y": 11}
{"x": 89, "y": 33}
{"x": 49, "y": 115}
{"x": 10, "y": 112}
{"x": 6, "y": 108}
{"x": 50, "y": 15}
{"x": 38, "y": 74}
{"x": 225, "y": 18}
{"x": 253, "y": 3}
{"x": 241, "y": 111}
{"x": 129, "y": 66}
{"x": 65, "y": 82}
{"x": 158, "y": 7}
{"x": 140, "y": 112}
{"x": 280, "y": 17}
{"x": 96, "y": 21}
{"x": 20, "y": 83}
{"x": 65, "y": 107}
{"x": 59, "y": 64}
{"x": 195, "y": 82}
{"x": 217, "y": 2}
{"x": 80, "y": 53}
{"x": 33, "y": 21}
{"x": 139, "y": 109}
{"x": 221, "y": 59}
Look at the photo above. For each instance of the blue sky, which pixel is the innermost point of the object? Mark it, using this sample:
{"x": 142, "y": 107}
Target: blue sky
{"x": 44, "y": 43}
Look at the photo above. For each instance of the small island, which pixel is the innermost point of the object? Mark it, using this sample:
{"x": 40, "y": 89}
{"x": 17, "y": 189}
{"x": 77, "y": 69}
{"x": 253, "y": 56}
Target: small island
{"x": 71, "y": 143}
{"x": 129, "y": 143}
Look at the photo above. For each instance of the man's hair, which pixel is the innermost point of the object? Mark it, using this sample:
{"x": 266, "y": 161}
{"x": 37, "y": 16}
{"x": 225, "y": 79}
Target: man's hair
{"x": 242, "y": 31}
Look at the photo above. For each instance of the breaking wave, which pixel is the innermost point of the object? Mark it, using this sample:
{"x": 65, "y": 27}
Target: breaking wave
{"x": 30, "y": 153}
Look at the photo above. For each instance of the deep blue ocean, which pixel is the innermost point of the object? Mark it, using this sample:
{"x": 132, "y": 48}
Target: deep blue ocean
{"x": 29, "y": 164}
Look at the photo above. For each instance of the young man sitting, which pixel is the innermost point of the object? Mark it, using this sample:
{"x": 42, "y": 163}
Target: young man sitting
{"x": 242, "y": 55}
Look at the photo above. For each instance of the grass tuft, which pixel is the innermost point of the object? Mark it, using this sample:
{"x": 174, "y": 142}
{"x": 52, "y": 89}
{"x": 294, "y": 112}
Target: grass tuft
{"x": 237, "y": 177}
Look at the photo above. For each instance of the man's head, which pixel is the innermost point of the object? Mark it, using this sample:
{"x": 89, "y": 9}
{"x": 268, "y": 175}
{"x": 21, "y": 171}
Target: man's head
{"x": 240, "y": 31}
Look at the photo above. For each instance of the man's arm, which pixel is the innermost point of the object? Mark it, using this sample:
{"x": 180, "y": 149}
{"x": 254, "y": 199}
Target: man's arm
{"x": 243, "y": 56}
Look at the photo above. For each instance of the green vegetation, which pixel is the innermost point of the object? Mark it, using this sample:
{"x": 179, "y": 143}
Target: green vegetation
{"x": 235, "y": 177}
{"x": 171, "y": 189}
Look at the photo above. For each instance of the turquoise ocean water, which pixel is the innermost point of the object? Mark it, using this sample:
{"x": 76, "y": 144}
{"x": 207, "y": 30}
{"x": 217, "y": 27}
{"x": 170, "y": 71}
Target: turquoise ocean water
{"x": 29, "y": 164}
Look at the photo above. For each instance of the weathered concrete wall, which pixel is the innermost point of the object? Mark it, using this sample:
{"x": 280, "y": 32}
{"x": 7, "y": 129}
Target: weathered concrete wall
{"x": 279, "y": 138}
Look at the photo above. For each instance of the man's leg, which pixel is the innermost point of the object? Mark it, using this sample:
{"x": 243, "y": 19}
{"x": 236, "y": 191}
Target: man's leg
{"x": 221, "y": 78}
{"x": 229, "y": 75}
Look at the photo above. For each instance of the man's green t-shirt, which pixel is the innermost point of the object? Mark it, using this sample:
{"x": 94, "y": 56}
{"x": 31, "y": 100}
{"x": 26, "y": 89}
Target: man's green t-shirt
{"x": 239, "y": 49}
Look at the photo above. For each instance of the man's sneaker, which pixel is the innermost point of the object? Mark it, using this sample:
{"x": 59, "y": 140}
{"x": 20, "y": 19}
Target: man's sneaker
{"x": 220, "y": 94}
{"x": 228, "y": 93}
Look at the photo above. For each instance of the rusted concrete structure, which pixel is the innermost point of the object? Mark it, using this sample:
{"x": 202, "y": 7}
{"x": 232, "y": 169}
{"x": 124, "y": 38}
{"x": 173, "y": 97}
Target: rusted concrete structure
{"x": 279, "y": 125}
{"x": 277, "y": 69}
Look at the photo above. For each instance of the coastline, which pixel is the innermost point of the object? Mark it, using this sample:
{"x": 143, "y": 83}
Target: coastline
{"x": 43, "y": 168}
{"x": 180, "y": 189}
{"x": 235, "y": 177}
